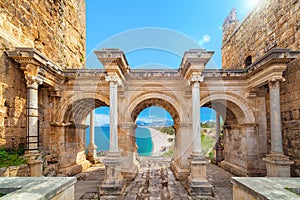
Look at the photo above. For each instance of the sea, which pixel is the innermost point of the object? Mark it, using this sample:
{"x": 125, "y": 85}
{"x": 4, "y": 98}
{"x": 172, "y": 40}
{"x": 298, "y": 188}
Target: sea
{"x": 143, "y": 139}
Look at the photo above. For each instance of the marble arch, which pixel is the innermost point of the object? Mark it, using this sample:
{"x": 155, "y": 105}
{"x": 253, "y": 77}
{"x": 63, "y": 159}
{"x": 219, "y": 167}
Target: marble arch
{"x": 155, "y": 99}
{"x": 238, "y": 95}
{"x": 239, "y": 107}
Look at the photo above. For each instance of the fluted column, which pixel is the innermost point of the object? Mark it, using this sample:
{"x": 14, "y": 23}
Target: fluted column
{"x": 113, "y": 184}
{"x": 275, "y": 117}
{"x": 218, "y": 128}
{"x": 218, "y": 147}
{"x": 92, "y": 148}
{"x": 32, "y": 114}
{"x": 32, "y": 150}
{"x": 195, "y": 82}
{"x": 197, "y": 182}
{"x": 113, "y": 87}
{"x": 277, "y": 164}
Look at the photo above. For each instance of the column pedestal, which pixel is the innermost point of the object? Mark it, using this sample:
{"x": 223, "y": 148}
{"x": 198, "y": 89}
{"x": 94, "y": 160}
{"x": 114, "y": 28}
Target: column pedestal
{"x": 180, "y": 172}
{"x": 197, "y": 182}
{"x": 278, "y": 165}
{"x": 113, "y": 185}
{"x": 35, "y": 162}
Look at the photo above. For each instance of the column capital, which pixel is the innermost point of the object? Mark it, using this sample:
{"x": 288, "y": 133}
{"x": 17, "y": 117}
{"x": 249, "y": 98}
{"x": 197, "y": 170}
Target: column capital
{"x": 275, "y": 82}
{"x": 31, "y": 74}
{"x": 196, "y": 79}
{"x": 113, "y": 79}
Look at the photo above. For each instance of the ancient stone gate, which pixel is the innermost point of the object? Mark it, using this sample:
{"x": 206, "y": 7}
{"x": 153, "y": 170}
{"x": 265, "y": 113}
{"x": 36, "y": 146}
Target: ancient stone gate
{"x": 69, "y": 95}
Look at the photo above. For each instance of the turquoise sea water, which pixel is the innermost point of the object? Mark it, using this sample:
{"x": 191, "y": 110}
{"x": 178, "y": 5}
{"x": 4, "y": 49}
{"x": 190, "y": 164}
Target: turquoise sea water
{"x": 143, "y": 140}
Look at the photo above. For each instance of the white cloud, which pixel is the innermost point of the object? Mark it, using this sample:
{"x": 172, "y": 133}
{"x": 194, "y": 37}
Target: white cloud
{"x": 99, "y": 119}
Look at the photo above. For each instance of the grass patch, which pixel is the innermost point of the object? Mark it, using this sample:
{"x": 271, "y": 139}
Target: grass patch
{"x": 295, "y": 191}
{"x": 11, "y": 157}
{"x": 168, "y": 130}
{"x": 207, "y": 144}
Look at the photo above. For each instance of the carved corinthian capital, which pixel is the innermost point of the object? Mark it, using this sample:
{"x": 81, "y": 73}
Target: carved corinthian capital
{"x": 113, "y": 79}
{"x": 31, "y": 74}
{"x": 275, "y": 82}
{"x": 196, "y": 79}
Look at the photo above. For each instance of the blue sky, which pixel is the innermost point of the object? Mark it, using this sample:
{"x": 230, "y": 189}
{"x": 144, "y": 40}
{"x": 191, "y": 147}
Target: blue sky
{"x": 183, "y": 24}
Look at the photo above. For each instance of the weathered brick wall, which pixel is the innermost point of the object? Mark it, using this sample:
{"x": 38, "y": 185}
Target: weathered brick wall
{"x": 13, "y": 95}
{"x": 290, "y": 113}
{"x": 275, "y": 24}
{"x": 54, "y": 27}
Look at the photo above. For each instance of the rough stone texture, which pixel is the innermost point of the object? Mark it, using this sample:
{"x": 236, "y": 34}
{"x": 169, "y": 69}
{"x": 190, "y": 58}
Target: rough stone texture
{"x": 265, "y": 188}
{"x": 13, "y": 171}
{"x": 56, "y": 28}
{"x": 290, "y": 115}
{"x": 274, "y": 23}
{"x": 37, "y": 188}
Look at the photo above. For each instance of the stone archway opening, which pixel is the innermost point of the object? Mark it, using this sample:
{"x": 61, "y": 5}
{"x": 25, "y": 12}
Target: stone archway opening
{"x": 72, "y": 131}
{"x": 239, "y": 135}
{"x": 155, "y": 132}
{"x": 211, "y": 134}
{"x": 164, "y": 104}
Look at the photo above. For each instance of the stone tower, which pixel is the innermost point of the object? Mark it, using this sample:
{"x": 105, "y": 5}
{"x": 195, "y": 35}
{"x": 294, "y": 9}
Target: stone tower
{"x": 230, "y": 24}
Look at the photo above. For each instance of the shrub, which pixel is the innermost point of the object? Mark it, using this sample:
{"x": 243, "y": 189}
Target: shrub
{"x": 11, "y": 157}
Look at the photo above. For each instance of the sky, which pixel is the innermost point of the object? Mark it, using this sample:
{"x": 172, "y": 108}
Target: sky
{"x": 155, "y": 34}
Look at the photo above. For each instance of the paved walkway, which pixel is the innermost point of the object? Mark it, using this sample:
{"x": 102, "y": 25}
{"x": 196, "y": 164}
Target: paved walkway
{"x": 155, "y": 181}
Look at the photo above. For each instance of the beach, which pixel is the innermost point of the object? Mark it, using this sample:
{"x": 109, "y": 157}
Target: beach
{"x": 159, "y": 140}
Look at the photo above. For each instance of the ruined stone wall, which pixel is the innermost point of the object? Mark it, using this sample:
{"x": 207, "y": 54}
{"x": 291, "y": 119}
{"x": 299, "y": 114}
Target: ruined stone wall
{"x": 56, "y": 28}
{"x": 290, "y": 114}
{"x": 274, "y": 24}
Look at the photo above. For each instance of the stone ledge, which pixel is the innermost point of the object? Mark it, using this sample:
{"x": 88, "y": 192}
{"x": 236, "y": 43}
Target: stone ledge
{"x": 37, "y": 188}
{"x": 265, "y": 188}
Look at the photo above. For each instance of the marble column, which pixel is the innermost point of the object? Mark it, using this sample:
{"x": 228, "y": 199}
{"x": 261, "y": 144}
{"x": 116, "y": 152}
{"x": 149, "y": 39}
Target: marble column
{"x": 32, "y": 115}
{"x": 275, "y": 117}
{"x": 195, "y": 81}
{"x": 92, "y": 148}
{"x": 113, "y": 82}
{"x": 277, "y": 164}
{"x": 197, "y": 182}
{"x": 113, "y": 184}
{"x": 32, "y": 152}
{"x": 218, "y": 147}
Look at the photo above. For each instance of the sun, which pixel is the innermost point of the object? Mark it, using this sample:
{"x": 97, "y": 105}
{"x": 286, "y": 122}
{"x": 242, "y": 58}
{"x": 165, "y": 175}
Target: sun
{"x": 251, "y": 4}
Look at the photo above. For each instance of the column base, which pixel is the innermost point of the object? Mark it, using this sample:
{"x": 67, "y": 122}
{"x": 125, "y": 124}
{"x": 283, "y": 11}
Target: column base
{"x": 113, "y": 185}
{"x": 130, "y": 174}
{"x": 179, "y": 172}
{"x": 110, "y": 191}
{"x": 201, "y": 188}
{"x": 278, "y": 165}
{"x": 197, "y": 182}
{"x": 35, "y": 162}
